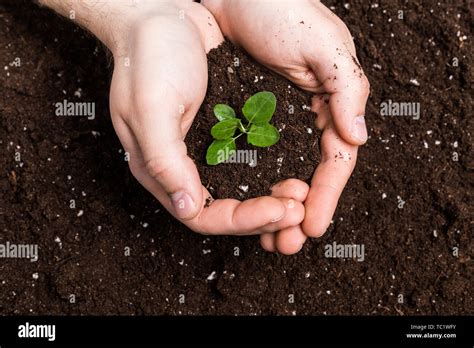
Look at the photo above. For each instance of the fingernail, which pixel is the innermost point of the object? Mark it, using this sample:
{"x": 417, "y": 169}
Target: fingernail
{"x": 278, "y": 218}
{"x": 183, "y": 204}
{"x": 291, "y": 204}
{"x": 359, "y": 130}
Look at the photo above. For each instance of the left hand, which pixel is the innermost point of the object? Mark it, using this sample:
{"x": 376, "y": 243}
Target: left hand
{"x": 308, "y": 44}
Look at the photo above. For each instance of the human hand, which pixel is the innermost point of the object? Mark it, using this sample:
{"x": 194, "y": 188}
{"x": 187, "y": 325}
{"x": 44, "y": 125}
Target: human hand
{"x": 159, "y": 83}
{"x": 307, "y": 43}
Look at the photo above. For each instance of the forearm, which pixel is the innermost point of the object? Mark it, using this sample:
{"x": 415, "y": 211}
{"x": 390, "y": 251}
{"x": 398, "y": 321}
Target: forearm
{"x": 109, "y": 20}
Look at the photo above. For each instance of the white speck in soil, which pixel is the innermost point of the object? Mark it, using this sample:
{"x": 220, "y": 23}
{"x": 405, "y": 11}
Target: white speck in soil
{"x": 384, "y": 195}
{"x": 455, "y": 144}
{"x": 58, "y": 240}
{"x": 328, "y": 292}
{"x": 414, "y": 82}
{"x": 181, "y": 262}
{"x": 437, "y": 142}
{"x": 212, "y": 276}
{"x": 145, "y": 224}
{"x": 377, "y": 66}
{"x": 35, "y": 275}
{"x": 425, "y": 144}
{"x": 78, "y": 93}
{"x": 307, "y": 275}
{"x": 309, "y": 130}
{"x": 435, "y": 233}
{"x": 80, "y": 213}
{"x": 206, "y": 251}
{"x": 244, "y": 188}
{"x": 302, "y": 159}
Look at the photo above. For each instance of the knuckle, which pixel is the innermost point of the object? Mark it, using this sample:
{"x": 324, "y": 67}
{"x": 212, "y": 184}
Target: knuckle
{"x": 159, "y": 167}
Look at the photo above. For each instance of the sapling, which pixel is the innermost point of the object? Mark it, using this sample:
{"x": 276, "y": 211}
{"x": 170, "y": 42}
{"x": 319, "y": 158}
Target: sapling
{"x": 258, "y": 111}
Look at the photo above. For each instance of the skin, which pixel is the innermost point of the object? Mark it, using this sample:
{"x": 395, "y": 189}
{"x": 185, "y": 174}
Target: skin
{"x": 308, "y": 44}
{"x": 159, "y": 50}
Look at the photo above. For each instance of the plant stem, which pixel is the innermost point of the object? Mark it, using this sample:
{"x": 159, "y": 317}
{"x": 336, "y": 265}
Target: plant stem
{"x": 243, "y": 128}
{"x": 235, "y": 138}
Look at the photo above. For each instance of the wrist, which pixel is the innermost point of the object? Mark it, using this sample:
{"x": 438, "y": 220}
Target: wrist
{"x": 111, "y": 21}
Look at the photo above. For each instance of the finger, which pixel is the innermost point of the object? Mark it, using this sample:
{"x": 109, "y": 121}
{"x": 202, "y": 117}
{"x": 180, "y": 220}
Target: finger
{"x": 320, "y": 105}
{"x": 294, "y": 215}
{"x": 331, "y": 175}
{"x": 345, "y": 81}
{"x": 250, "y": 217}
{"x": 290, "y": 240}
{"x": 291, "y": 188}
{"x": 163, "y": 103}
{"x": 267, "y": 241}
{"x": 211, "y": 35}
{"x": 166, "y": 160}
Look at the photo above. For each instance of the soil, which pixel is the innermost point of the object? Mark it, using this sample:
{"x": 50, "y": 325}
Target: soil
{"x": 233, "y": 78}
{"x": 408, "y": 201}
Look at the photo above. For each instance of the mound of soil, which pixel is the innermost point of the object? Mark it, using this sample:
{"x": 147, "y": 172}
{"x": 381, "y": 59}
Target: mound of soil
{"x": 118, "y": 252}
{"x": 233, "y": 78}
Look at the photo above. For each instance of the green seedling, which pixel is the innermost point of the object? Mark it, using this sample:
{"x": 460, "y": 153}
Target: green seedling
{"x": 258, "y": 111}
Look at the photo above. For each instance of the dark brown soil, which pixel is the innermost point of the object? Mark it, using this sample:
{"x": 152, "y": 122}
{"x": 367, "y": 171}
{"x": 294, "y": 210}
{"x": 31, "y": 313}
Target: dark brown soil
{"x": 409, "y": 247}
{"x": 294, "y": 156}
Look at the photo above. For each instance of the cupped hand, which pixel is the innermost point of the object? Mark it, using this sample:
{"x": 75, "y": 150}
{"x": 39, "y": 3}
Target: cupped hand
{"x": 158, "y": 85}
{"x": 307, "y": 43}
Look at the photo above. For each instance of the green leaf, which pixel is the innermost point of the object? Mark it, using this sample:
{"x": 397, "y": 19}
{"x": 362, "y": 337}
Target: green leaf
{"x": 225, "y": 129}
{"x": 260, "y": 107}
{"x": 219, "y": 151}
{"x": 223, "y": 112}
{"x": 263, "y": 135}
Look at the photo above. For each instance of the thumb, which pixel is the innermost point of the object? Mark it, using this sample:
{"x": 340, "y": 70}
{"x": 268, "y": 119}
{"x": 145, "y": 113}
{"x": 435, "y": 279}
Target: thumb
{"x": 348, "y": 87}
{"x": 164, "y": 152}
